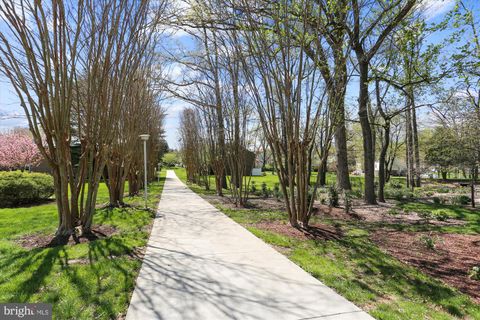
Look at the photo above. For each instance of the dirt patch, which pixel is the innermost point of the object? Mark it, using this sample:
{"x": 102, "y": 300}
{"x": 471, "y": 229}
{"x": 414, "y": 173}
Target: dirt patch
{"x": 315, "y": 232}
{"x": 451, "y": 260}
{"x": 48, "y": 241}
{"x": 138, "y": 253}
{"x": 78, "y": 261}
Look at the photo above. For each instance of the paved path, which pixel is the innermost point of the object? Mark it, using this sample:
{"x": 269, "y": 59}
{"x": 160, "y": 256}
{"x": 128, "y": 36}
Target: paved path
{"x": 200, "y": 264}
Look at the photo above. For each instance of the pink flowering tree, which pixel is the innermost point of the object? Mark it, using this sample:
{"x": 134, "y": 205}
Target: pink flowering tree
{"x": 18, "y": 150}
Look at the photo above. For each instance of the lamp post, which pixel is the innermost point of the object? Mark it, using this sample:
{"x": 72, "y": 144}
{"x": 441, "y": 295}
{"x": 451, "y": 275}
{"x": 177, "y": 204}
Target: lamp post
{"x": 145, "y": 137}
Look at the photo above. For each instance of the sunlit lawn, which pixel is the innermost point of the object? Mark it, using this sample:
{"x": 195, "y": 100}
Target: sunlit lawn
{"x": 85, "y": 281}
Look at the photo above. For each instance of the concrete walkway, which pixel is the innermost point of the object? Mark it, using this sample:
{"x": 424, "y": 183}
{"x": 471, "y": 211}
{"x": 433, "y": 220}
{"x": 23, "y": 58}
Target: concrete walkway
{"x": 200, "y": 264}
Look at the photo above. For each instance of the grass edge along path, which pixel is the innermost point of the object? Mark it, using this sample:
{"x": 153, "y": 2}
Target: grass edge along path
{"x": 360, "y": 271}
{"x": 92, "y": 280}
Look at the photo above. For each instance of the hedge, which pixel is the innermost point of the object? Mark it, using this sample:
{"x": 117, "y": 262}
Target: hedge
{"x": 19, "y": 188}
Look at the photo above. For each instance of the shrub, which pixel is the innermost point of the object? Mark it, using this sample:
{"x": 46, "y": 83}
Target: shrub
{"x": 475, "y": 273}
{"x": 429, "y": 241}
{"x": 460, "y": 200}
{"x": 253, "y": 187}
{"x": 398, "y": 194}
{"x": 277, "y": 193}
{"x": 356, "y": 193}
{"x": 443, "y": 190}
{"x": 333, "y": 199}
{"x": 425, "y": 214}
{"x": 394, "y": 184}
{"x": 20, "y": 188}
{"x": 265, "y": 190}
{"x": 440, "y": 214}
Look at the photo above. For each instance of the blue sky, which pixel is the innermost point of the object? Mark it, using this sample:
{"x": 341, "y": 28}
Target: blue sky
{"x": 11, "y": 114}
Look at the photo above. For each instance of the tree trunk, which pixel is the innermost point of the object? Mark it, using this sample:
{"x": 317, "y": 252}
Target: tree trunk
{"x": 115, "y": 183}
{"x": 418, "y": 181}
{"x": 65, "y": 220}
{"x": 323, "y": 174}
{"x": 310, "y": 163}
{"x": 337, "y": 104}
{"x": 444, "y": 175}
{"x": 409, "y": 145}
{"x": 382, "y": 164}
{"x": 472, "y": 191}
{"x": 368, "y": 147}
{"x": 133, "y": 183}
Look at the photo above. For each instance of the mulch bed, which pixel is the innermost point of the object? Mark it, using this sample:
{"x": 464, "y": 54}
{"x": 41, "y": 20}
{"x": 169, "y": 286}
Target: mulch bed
{"x": 313, "y": 232}
{"x": 451, "y": 260}
{"x": 378, "y": 213}
{"x": 323, "y": 210}
{"x": 33, "y": 241}
{"x": 253, "y": 203}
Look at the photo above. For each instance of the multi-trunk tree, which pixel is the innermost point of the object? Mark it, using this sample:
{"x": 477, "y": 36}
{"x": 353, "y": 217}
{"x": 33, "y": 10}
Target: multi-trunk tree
{"x": 67, "y": 62}
{"x": 288, "y": 96}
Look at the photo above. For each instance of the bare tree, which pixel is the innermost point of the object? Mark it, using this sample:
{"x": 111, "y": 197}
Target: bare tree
{"x": 39, "y": 56}
{"x": 288, "y": 98}
{"x": 191, "y": 145}
{"x": 67, "y": 64}
{"x": 201, "y": 86}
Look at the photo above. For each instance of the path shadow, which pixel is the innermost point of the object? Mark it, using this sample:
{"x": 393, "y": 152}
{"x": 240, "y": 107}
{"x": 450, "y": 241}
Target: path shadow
{"x": 176, "y": 284}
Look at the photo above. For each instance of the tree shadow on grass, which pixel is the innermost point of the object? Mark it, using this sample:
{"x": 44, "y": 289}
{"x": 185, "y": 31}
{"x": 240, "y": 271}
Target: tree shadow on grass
{"x": 39, "y": 261}
{"x": 101, "y": 253}
{"x": 397, "y": 278}
{"x": 35, "y": 271}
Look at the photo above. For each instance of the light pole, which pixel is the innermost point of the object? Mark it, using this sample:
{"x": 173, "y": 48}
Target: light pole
{"x": 145, "y": 137}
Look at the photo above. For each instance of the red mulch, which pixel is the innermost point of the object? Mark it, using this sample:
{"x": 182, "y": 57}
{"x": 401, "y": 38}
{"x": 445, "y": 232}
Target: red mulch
{"x": 253, "y": 203}
{"x": 451, "y": 260}
{"x": 48, "y": 241}
{"x": 378, "y": 213}
{"x": 315, "y": 232}
{"x": 323, "y": 210}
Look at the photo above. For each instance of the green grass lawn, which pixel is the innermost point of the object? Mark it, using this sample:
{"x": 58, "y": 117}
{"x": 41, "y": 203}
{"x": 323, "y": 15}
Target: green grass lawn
{"x": 270, "y": 179}
{"x": 469, "y": 217}
{"x": 360, "y": 271}
{"x": 91, "y": 280}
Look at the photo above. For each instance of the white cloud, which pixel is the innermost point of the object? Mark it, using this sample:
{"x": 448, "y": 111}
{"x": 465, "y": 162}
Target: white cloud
{"x": 179, "y": 11}
{"x": 12, "y": 115}
{"x": 175, "y": 71}
{"x": 434, "y": 8}
{"x": 175, "y": 107}
{"x": 8, "y": 124}
{"x": 176, "y": 33}
{"x": 466, "y": 93}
